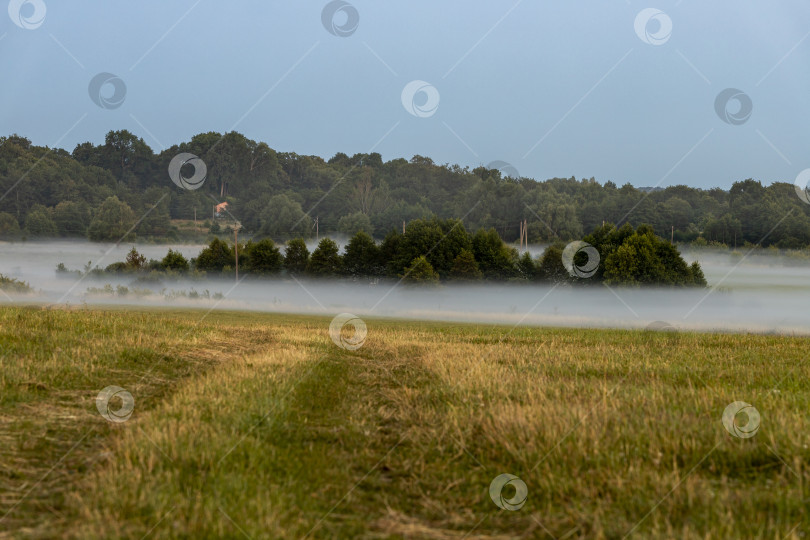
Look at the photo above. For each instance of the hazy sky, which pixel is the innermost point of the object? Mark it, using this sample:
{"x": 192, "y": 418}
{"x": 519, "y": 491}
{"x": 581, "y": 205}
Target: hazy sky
{"x": 554, "y": 88}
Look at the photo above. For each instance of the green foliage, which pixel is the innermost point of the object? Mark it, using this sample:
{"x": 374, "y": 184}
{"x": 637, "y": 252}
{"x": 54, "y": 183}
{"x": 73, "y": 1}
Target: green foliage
{"x": 216, "y": 257}
{"x": 465, "y": 268}
{"x": 325, "y": 260}
{"x": 13, "y": 285}
{"x": 39, "y": 222}
{"x": 112, "y": 222}
{"x": 420, "y": 271}
{"x": 283, "y": 217}
{"x": 296, "y": 256}
{"x": 262, "y": 257}
{"x": 174, "y": 260}
{"x": 9, "y": 228}
{"x": 268, "y": 192}
{"x": 527, "y": 269}
{"x": 354, "y": 223}
{"x": 135, "y": 261}
{"x": 439, "y": 241}
{"x": 550, "y": 267}
{"x": 698, "y": 278}
{"x": 496, "y": 259}
{"x": 641, "y": 257}
{"x": 71, "y": 218}
{"x": 362, "y": 257}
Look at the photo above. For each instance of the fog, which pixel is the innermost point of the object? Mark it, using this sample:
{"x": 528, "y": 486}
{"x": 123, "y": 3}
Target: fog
{"x": 764, "y": 293}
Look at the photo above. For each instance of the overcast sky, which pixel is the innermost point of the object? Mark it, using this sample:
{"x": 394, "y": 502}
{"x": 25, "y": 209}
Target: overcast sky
{"x": 589, "y": 88}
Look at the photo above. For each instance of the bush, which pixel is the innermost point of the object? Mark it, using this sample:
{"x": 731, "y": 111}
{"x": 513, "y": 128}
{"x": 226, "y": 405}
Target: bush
{"x": 13, "y": 285}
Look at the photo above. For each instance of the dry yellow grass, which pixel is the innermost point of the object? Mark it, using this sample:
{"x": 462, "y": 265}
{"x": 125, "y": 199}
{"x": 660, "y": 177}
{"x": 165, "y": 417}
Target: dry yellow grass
{"x": 615, "y": 433}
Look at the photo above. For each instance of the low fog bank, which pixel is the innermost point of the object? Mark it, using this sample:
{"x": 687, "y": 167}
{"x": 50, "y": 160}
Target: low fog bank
{"x": 760, "y": 293}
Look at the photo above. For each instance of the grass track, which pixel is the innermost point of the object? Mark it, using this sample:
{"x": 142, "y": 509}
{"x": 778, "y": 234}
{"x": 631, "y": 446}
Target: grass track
{"x": 251, "y": 425}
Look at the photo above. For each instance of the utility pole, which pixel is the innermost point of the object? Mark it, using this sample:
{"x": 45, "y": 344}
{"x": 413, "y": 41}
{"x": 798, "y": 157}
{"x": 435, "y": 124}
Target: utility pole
{"x": 317, "y": 236}
{"x": 672, "y": 235}
{"x": 524, "y": 234}
{"x": 403, "y": 226}
{"x": 521, "y": 234}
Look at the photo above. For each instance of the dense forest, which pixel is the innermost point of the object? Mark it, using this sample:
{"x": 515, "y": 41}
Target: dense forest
{"x": 122, "y": 189}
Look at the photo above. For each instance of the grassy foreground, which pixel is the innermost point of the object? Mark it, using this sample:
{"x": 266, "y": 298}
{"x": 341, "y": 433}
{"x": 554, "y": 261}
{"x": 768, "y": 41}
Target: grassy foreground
{"x": 259, "y": 426}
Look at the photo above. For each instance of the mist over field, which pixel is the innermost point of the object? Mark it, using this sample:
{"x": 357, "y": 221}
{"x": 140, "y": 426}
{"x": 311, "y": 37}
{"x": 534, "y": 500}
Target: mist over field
{"x": 758, "y": 293}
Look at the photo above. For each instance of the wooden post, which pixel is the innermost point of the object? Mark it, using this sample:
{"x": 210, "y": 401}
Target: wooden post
{"x": 236, "y": 249}
{"x": 672, "y": 235}
{"x": 403, "y": 226}
{"x": 521, "y": 234}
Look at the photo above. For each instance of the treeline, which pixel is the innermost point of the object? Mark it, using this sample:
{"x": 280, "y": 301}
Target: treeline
{"x": 122, "y": 187}
{"x": 430, "y": 251}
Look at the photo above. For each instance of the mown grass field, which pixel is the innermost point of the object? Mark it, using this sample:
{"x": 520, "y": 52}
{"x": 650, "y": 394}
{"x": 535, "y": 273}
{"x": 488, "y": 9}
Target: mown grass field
{"x": 258, "y": 426}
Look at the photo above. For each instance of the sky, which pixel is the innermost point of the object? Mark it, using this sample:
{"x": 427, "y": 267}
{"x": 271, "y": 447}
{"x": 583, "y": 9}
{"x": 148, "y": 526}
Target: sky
{"x": 617, "y": 90}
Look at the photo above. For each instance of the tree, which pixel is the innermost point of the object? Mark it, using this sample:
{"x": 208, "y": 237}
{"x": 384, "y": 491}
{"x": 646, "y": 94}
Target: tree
{"x": 527, "y": 268}
{"x": 71, "y": 218}
{"x": 362, "y": 257}
{"x": 9, "y": 228}
{"x": 271, "y": 190}
{"x": 263, "y": 257}
{"x": 296, "y": 256}
{"x": 551, "y": 267}
{"x": 135, "y": 261}
{"x": 113, "y": 221}
{"x": 174, "y": 260}
{"x": 356, "y": 222}
{"x": 420, "y": 271}
{"x": 465, "y": 268}
{"x": 215, "y": 257}
{"x": 440, "y": 241}
{"x": 283, "y": 217}
{"x": 39, "y": 222}
{"x": 644, "y": 258}
{"x": 698, "y": 278}
{"x": 388, "y": 252}
{"x": 496, "y": 259}
{"x": 325, "y": 260}
{"x": 726, "y": 230}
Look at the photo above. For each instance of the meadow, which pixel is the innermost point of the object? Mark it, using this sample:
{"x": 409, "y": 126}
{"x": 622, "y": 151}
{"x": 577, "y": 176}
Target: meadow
{"x": 255, "y": 425}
